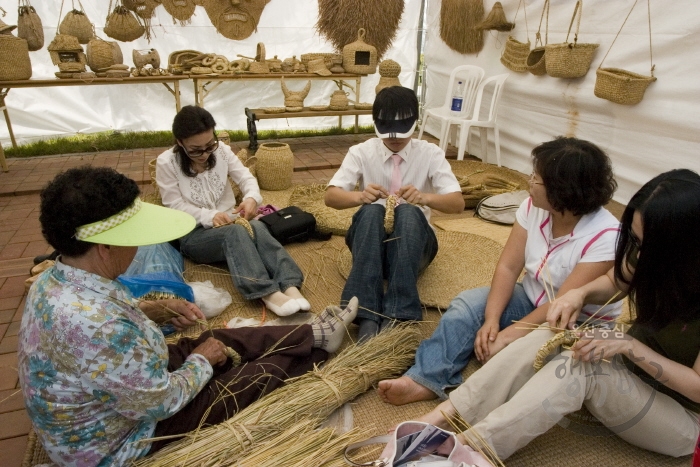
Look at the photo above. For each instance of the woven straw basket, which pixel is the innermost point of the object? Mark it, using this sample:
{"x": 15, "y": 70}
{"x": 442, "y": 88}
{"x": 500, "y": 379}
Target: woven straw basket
{"x": 123, "y": 26}
{"x": 339, "y": 101}
{"x": 103, "y": 54}
{"x": 275, "y": 166}
{"x": 621, "y": 86}
{"x": 360, "y": 57}
{"x": 29, "y": 27}
{"x": 569, "y": 60}
{"x": 14, "y": 58}
{"x": 535, "y": 62}
{"x": 515, "y": 54}
{"x": 77, "y": 24}
{"x": 327, "y": 58}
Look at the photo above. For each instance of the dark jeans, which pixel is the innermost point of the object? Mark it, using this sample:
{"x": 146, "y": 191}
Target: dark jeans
{"x": 399, "y": 258}
{"x": 246, "y": 383}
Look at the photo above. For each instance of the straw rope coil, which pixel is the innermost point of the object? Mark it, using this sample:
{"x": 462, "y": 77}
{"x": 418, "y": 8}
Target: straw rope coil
{"x": 318, "y": 108}
{"x": 311, "y": 397}
{"x": 14, "y": 58}
{"x": 570, "y": 59}
{"x": 564, "y": 338}
{"x": 457, "y": 21}
{"x": 29, "y": 26}
{"x": 391, "y": 202}
{"x": 275, "y": 166}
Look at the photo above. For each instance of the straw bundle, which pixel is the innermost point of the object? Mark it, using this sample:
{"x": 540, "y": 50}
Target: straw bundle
{"x": 457, "y": 21}
{"x": 180, "y": 10}
{"x": 14, "y": 58}
{"x": 389, "y": 213}
{"x": 496, "y": 20}
{"x": 122, "y": 25}
{"x": 275, "y": 166}
{"x": 77, "y": 24}
{"x": 29, "y": 26}
{"x": 311, "y": 397}
{"x": 339, "y": 21}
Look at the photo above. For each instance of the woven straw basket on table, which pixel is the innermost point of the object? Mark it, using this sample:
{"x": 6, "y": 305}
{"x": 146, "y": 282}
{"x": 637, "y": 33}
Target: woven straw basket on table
{"x": 327, "y": 58}
{"x": 14, "y": 58}
{"x": 103, "y": 54}
{"x": 29, "y": 26}
{"x": 570, "y": 59}
{"x": 275, "y": 166}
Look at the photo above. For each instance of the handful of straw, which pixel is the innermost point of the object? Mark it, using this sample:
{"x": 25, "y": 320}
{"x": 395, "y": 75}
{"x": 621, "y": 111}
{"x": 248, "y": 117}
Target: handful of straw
{"x": 311, "y": 397}
{"x": 391, "y": 203}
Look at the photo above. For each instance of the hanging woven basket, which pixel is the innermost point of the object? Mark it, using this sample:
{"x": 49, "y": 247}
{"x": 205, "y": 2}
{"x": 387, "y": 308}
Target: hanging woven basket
{"x": 122, "y": 25}
{"x": 275, "y": 166}
{"x": 29, "y": 26}
{"x": 360, "y": 57}
{"x": 77, "y": 24}
{"x": 14, "y": 58}
{"x": 570, "y": 59}
{"x": 515, "y": 55}
{"x": 535, "y": 62}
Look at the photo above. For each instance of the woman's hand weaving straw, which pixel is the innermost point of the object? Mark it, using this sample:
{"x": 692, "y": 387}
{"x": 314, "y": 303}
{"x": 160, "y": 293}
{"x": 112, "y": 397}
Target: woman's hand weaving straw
{"x": 247, "y": 209}
{"x": 221, "y": 218}
{"x": 213, "y": 350}
{"x": 188, "y": 313}
{"x": 564, "y": 310}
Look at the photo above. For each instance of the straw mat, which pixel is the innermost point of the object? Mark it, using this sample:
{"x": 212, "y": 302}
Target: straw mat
{"x": 476, "y": 226}
{"x": 478, "y": 171}
{"x": 34, "y": 453}
{"x": 464, "y": 261}
{"x": 310, "y": 199}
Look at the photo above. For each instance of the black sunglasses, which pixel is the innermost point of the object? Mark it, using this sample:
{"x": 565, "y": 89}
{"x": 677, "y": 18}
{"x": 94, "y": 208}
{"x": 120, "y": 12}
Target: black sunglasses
{"x": 208, "y": 150}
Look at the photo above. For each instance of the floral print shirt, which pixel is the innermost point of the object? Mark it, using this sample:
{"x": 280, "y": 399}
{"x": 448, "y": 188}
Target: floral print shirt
{"x": 93, "y": 370}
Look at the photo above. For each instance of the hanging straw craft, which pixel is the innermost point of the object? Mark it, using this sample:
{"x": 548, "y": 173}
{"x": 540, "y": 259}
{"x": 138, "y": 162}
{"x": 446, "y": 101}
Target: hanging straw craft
{"x": 122, "y": 25}
{"x": 458, "y": 19}
{"x": 77, "y": 24}
{"x": 29, "y": 26}
{"x": 360, "y": 57}
{"x": 515, "y": 53}
{"x": 535, "y": 62}
{"x": 622, "y": 86}
{"x": 496, "y": 20}
{"x": 566, "y": 59}
{"x": 180, "y": 10}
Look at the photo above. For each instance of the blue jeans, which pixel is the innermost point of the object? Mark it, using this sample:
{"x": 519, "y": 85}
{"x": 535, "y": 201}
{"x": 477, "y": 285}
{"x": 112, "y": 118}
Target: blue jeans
{"x": 441, "y": 358}
{"x": 399, "y": 258}
{"x": 258, "y": 267}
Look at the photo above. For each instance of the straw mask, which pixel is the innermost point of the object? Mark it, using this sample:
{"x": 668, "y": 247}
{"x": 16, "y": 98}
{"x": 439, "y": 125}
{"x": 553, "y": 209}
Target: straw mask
{"x": 235, "y": 21}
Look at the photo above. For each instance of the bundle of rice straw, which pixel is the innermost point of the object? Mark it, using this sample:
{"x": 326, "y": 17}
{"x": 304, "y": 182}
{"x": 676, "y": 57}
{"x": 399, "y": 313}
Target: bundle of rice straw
{"x": 457, "y": 21}
{"x": 311, "y": 397}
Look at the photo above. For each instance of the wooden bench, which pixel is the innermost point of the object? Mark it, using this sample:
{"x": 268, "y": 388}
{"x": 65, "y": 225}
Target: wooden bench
{"x": 259, "y": 114}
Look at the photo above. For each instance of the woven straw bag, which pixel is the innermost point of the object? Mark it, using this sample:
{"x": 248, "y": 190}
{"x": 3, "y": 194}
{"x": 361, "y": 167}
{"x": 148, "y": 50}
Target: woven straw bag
{"x": 29, "y": 26}
{"x": 77, "y": 24}
{"x": 339, "y": 101}
{"x": 103, "y": 54}
{"x": 566, "y": 59}
{"x": 515, "y": 53}
{"x": 275, "y": 166}
{"x": 535, "y": 62}
{"x": 359, "y": 57}
{"x": 122, "y": 25}
{"x": 14, "y": 58}
{"x": 622, "y": 86}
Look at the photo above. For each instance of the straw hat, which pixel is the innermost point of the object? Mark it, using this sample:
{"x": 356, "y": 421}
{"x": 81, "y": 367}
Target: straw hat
{"x": 6, "y": 28}
{"x": 318, "y": 66}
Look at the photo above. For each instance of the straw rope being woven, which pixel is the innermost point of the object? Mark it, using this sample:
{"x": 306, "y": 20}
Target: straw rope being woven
{"x": 311, "y": 397}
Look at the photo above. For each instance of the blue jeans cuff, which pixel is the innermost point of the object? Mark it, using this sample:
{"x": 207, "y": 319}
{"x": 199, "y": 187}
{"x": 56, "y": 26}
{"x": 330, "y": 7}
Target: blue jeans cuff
{"x": 440, "y": 392}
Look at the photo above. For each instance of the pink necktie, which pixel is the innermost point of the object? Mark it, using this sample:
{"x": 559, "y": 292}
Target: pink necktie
{"x": 395, "y": 174}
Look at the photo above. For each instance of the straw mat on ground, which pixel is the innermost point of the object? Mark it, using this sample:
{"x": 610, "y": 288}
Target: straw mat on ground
{"x": 310, "y": 199}
{"x": 476, "y": 226}
{"x": 464, "y": 261}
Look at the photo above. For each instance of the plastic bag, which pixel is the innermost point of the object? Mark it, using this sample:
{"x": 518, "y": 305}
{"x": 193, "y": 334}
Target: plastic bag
{"x": 157, "y": 268}
{"x": 211, "y": 300}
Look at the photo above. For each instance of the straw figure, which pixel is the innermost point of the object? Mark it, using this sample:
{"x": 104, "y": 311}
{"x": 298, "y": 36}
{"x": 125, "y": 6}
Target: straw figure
{"x": 294, "y": 99}
{"x": 457, "y": 21}
{"x": 389, "y": 71}
{"x": 180, "y": 10}
{"x": 339, "y": 21}
{"x": 237, "y": 21}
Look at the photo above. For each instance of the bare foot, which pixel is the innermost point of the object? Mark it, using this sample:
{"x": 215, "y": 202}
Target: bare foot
{"x": 403, "y": 390}
{"x": 436, "y": 417}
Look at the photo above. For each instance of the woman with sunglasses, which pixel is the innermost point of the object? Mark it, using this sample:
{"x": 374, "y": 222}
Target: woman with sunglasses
{"x": 643, "y": 384}
{"x": 563, "y": 238}
{"x": 193, "y": 177}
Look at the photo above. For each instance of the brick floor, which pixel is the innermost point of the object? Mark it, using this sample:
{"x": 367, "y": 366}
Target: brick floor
{"x": 21, "y": 240}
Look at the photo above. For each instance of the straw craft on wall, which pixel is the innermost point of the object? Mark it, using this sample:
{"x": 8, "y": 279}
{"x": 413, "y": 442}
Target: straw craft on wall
{"x": 496, "y": 20}
{"x": 339, "y": 21}
{"x": 570, "y": 59}
{"x": 515, "y": 53}
{"x": 180, "y": 10}
{"x": 457, "y": 21}
{"x": 535, "y": 62}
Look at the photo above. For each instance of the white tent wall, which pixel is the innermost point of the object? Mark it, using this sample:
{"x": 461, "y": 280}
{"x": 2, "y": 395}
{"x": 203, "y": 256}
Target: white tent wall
{"x": 658, "y": 134}
{"x": 286, "y": 28}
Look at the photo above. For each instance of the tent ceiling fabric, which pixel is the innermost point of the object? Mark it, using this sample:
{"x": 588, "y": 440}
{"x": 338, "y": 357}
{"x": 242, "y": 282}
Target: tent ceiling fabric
{"x": 285, "y": 31}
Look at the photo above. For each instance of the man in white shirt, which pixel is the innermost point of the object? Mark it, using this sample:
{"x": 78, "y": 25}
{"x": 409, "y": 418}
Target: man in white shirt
{"x": 417, "y": 172}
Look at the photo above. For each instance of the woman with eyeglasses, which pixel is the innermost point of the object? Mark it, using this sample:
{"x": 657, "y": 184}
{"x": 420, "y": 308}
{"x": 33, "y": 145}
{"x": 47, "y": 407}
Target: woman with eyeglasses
{"x": 642, "y": 384}
{"x": 563, "y": 238}
{"x": 193, "y": 177}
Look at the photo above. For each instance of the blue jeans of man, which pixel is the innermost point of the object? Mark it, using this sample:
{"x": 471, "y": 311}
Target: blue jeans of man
{"x": 441, "y": 358}
{"x": 398, "y": 257}
{"x": 258, "y": 266}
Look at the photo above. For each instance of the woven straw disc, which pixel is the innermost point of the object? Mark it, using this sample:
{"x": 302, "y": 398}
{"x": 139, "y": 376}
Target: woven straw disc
{"x": 318, "y": 107}
{"x": 363, "y": 106}
{"x": 464, "y": 261}
{"x": 274, "y": 110}
{"x": 310, "y": 199}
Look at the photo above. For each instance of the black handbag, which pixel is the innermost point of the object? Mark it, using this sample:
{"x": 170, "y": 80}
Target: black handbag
{"x": 291, "y": 224}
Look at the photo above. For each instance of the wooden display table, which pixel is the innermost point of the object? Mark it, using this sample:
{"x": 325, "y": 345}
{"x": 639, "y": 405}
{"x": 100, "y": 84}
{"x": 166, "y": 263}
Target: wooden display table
{"x": 259, "y": 114}
{"x": 5, "y": 87}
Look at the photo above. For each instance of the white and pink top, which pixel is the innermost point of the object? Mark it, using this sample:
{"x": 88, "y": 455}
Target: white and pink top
{"x": 550, "y": 260}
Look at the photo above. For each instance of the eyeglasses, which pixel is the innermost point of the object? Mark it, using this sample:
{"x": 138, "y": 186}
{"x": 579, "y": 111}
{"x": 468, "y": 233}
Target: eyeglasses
{"x": 532, "y": 180}
{"x": 200, "y": 152}
{"x": 634, "y": 247}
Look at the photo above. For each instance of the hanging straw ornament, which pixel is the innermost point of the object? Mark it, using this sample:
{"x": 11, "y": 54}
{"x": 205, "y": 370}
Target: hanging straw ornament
{"x": 76, "y": 23}
{"x": 515, "y": 53}
{"x": 180, "y": 10}
{"x": 144, "y": 9}
{"x": 122, "y": 24}
{"x": 360, "y": 57}
{"x": 566, "y": 59}
{"x": 496, "y": 20}
{"x": 29, "y": 26}
{"x": 458, "y": 19}
{"x": 535, "y": 62}
{"x": 622, "y": 86}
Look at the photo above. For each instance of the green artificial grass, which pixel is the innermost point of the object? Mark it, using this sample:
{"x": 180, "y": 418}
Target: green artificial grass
{"x": 124, "y": 140}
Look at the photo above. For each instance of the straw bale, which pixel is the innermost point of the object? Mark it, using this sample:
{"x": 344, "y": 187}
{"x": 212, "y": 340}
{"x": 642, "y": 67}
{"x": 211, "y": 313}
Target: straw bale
{"x": 457, "y": 21}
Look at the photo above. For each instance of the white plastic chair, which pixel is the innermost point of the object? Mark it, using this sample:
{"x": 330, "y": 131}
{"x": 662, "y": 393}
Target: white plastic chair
{"x": 491, "y": 121}
{"x": 470, "y": 76}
